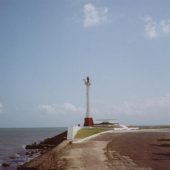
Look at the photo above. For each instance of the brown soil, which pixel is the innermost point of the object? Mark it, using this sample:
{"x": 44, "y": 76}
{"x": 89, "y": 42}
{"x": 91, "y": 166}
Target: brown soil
{"x": 146, "y": 149}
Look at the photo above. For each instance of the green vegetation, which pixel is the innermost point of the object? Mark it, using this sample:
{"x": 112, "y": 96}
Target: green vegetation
{"x": 85, "y": 132}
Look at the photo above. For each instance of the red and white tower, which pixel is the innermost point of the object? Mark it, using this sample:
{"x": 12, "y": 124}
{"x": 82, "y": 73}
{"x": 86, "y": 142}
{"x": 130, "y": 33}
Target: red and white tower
{"x": 88, "y": 120}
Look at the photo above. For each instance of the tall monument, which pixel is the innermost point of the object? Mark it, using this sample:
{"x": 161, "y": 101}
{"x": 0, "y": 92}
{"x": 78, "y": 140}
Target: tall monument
{"x": 88, "y": 121}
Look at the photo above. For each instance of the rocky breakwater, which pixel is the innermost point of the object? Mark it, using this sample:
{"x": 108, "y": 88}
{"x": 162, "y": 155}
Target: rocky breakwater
{"x": 47, "y": 152}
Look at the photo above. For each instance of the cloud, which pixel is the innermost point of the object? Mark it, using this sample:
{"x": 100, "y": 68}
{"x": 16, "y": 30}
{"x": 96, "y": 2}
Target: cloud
{"x": 160, "y": 105}
{"x": 70, "y": 107}
{"x": 60, "y": 108}
{"x": 153, "y": 28}
{"x": 47, "y": 108}
{"x": 148, "y": 111}
{"x": 1, "y": 106}
{"x": 93, "y": 15}
{"x": 165, "y": 26}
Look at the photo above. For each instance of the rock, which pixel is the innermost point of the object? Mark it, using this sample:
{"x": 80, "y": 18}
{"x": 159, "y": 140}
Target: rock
{"x": 12, "y": 157}
{"x": 5, "y": 164}
{"x": 27, "y": 153}
{"x": 26, "y": 168}
{"x": 32, "y": 152}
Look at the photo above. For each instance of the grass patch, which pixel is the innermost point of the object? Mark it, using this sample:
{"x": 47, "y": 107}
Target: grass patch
{"x": 85, "y": 132}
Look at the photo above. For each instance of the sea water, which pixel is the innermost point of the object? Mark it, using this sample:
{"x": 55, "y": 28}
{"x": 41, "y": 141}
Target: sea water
{"x": 14, "y": 140}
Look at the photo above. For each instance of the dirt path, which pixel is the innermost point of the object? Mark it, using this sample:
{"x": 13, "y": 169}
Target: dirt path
{"x": 86, "y": 155}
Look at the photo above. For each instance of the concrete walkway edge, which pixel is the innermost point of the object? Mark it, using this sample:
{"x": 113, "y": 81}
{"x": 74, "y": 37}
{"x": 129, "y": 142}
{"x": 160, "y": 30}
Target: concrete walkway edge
{"x": 90, "y": 137}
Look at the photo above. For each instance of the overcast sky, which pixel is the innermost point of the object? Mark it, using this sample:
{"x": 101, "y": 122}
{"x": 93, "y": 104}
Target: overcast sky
{"x": 48, "y": 47}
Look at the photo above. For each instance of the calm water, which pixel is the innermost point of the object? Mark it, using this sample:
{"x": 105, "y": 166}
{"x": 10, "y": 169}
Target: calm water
{"x": 13, "y": 141}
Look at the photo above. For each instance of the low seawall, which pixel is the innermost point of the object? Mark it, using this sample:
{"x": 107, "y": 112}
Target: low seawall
{"x": 50, "y": 148}
{"x": 46, "y": 161}
{"x": 49, "y": 142}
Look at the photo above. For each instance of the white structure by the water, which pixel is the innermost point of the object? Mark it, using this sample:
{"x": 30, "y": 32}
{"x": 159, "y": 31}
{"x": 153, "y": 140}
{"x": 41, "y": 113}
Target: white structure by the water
{"x": 72, "y": 131}
{"x": 124, "y": 127}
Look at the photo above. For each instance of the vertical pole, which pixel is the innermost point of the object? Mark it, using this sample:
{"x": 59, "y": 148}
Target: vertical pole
{"x": 88, "y": 121}
{"x": 88, "y": 102}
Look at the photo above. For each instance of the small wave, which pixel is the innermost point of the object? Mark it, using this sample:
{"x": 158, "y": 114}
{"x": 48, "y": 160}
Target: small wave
{"x": 17, "y": 155}
{"x": 23, "y": 146}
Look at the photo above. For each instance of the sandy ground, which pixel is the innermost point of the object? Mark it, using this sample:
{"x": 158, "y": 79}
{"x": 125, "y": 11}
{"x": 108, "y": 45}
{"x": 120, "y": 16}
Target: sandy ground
{"x": 142, "y": 150}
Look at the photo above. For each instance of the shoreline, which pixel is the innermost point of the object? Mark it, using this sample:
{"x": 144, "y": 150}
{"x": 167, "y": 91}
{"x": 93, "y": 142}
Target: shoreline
{"x": 46, "y": 160}
{"x": 44, "y": 148}
{"x": 31, "y": 151}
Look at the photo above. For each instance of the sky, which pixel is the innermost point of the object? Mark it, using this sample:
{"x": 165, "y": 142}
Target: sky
{"x": 48, "y": 47}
